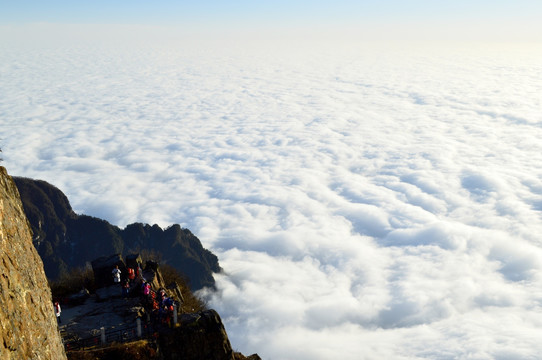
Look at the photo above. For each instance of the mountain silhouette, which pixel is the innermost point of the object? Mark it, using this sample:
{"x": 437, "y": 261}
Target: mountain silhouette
{"x": 66, "y": 240}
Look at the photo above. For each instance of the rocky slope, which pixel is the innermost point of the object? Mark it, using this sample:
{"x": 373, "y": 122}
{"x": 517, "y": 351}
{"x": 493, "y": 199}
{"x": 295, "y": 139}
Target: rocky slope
{"x": 66, "y": 240}
{"x": 197, "y": 335}
{"x": 28, "y": 327}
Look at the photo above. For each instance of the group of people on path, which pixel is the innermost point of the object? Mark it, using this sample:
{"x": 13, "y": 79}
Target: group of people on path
{"x": 129, "y": 280}
{"x": 157, "y": 303}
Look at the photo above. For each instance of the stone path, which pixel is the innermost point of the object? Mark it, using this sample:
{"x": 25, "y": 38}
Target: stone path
{"x": 86, "y": 320}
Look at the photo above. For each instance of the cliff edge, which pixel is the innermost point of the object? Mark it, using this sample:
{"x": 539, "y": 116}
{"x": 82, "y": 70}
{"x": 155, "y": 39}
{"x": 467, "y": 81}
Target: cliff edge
{"x": 28, "y": 327}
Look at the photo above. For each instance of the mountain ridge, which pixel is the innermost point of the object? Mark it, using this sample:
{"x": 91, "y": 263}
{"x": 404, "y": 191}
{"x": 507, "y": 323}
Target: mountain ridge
{"x": 66, "y": 240}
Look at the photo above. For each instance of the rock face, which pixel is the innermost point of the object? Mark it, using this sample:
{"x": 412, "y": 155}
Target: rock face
{"x": 28, "y": 326}
{"x": 200, "y": 336}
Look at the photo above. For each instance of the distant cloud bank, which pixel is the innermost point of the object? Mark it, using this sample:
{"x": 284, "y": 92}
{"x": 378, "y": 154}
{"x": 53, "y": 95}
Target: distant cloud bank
{"x": 364, "y": 202}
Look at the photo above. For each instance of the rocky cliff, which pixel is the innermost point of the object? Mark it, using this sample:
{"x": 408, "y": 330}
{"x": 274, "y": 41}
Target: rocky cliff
{"x": 200, "y": 336}
{"x": 28, "y": 327}
{"x": 67, "y": 240}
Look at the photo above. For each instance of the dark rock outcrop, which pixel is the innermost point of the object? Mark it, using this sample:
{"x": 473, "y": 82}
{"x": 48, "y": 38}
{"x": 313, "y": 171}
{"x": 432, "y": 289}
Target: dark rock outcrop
{"x": 200, "y": 336}
{"x": 28, "y": 327}
{"x": 102, "y": 268}
{"x": 67, "y": 240}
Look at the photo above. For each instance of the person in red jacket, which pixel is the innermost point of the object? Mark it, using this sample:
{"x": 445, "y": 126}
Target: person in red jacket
{"x": 131, "y": 275}
{"x": 57, "y": 312}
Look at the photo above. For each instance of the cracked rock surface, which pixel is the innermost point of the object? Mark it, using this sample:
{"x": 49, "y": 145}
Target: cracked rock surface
{"x": 28, "y": 325}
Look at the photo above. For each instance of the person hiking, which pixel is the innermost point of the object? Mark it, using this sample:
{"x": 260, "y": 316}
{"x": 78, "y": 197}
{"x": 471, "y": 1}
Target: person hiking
{"x": 116, "y": 274}
{"x": 161, "y": 295}
{"x": 131, "y": 275}
{"x": 57, "y": 312}
{"x": 146, "y": 289}
{"x": 125, "y": 289}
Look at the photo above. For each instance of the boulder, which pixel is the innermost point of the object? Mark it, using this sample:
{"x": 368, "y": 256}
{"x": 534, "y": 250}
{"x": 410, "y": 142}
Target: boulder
{"x": 151, "y": 265}
{"x": 133, "y": 260}
{"x": 78, "y": 298}
{"x": 103, "y": 266}
{"x": 200, "y": 336}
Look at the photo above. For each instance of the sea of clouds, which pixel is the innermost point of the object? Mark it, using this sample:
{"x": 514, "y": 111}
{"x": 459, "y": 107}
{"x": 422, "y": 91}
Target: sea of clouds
{"x": 364, "y": 202}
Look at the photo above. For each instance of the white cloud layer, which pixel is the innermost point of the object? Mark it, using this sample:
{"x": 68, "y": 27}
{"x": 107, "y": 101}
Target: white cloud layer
{"x": 365, "y": 204}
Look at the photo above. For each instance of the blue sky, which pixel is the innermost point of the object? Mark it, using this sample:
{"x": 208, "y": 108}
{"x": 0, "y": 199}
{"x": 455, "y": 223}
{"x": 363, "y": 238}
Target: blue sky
{"x": 474, "y": 20}
{"x": 272, "y": 13}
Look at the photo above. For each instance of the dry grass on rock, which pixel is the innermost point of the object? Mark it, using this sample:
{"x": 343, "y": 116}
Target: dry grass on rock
{"x": 138, "y": 350}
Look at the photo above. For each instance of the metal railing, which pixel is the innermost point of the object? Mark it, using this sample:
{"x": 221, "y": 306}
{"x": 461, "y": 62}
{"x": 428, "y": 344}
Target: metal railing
{"x": 139, "y": 330}
{"x": 107, "y": 337}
